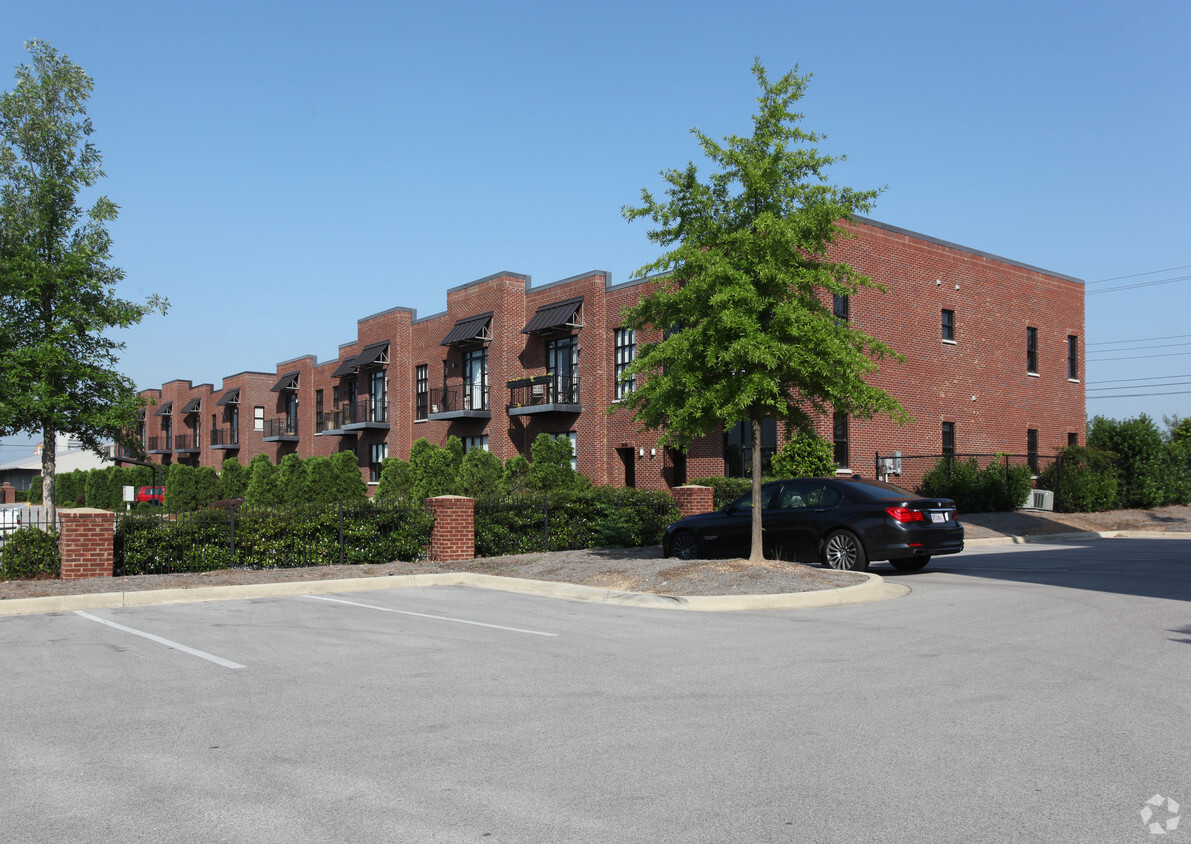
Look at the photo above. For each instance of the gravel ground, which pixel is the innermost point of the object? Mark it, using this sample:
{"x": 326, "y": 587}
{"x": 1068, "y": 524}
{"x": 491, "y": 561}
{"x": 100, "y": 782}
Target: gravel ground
{"x": 630, "y": 569}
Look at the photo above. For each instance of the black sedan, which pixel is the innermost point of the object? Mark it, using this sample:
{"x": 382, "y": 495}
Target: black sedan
{"x": 843, "y": 524}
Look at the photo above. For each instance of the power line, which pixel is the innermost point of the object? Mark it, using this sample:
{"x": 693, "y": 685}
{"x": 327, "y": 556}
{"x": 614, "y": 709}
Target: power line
{"x": 1140, "y": 395}
{"x": 1132, "y": 380}
{"x": 1137, "y": 275}
{"x": 1138, "y": 340}
{"x": 1137, "y": 348}
{"x": 1139, "y": 284}
{"x": 1142, "y": 357}
{"x": 1141, "y": 386}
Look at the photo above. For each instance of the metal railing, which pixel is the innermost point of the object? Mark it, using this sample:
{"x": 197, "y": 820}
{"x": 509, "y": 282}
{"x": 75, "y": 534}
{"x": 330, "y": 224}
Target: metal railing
{"x": 186, "y": 442}
{"x": 225, "y": 436}
{"x": 363, "y": 411}
{"x": 159, "y": 443}
{"x": 283, "y": 427}
{"x": 458, "y": 397}
{"x": 544, "y": 389}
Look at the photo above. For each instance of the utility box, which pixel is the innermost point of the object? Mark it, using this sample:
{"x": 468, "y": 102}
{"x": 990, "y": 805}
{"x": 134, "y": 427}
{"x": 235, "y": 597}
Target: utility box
{"x": 1039, "y": 499}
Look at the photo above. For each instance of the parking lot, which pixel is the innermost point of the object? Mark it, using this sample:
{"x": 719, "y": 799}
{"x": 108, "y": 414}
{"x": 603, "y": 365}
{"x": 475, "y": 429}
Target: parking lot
{"x": 1030, "y": 693}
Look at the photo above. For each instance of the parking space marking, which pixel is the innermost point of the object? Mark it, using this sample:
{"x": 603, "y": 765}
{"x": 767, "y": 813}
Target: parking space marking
{"x": 218, "y": 660}
{"x": 426, "y": 615}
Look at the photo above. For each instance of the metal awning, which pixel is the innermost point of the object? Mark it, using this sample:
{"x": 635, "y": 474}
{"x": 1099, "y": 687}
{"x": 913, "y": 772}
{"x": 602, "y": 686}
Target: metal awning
{"x": 566, "y": 314}
{"x": 165, "y": 410}
{"x": 346, "y": 367}
{"x": 471, "y": 330}
{"x": 288, "y": 381}
{"x": 230, "y": 397}
{"x": 193, "y": 406}
{"x": 375, "y": 355}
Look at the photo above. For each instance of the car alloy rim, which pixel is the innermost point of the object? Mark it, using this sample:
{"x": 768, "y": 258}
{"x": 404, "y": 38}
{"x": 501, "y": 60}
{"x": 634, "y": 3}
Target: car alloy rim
{"x": 841, "y": 552}
{"x": 684, "y": 546}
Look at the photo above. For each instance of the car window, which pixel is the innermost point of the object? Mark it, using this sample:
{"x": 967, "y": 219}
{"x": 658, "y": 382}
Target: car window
{"x": 880, "y": 490}
{"x": 807, "y": 494}
{"x": 745, "y": 502}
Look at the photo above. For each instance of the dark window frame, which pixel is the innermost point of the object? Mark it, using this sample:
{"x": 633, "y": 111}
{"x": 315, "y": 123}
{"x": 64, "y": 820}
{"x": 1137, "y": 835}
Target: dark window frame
{"x": 625, "y": 352}
{"x": 948, "y": 433}
{"x": 839, "y": 435}
{"x": 947, "y": 324}
{"x": 1031, "y": 350}
{"x": 1032, "y": 449}
{"x": 422, "y": 391}
{"x": 841, "y": 306}
{"x": 1073, "y": 357}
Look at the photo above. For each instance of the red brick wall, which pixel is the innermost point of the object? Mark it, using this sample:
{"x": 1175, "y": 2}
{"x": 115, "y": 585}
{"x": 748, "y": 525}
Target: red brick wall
{"x": 85, "y": 543}
{"x": 693, "y": 500}
{"x": 454, "y": 535}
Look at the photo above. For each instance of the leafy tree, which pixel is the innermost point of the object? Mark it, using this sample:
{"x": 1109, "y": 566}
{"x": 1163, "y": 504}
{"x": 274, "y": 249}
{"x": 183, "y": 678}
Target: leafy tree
{"x": 1137, "y": 444}
{"x": 292, "y": 479}
{"x": 550, "y": 469}
{"x": 264, "y": 489}
{"x": 805, "y": 456}
{"x": 320, "y": 481}
{"x": 744, "y": 293}
{"x": 479, "y": 476}
{"x": 434, "y": 470}
{"x": 233, "y": 480}
{"x": 394, "y": 479}
{"x": 206, "y": 486}
{"x": 57, "y": 287}
{"x": 514, "y": 475}
{"x": 180, "y": 488}
{"x": 345, "y": 469}
{"x": 1083, "y": 478}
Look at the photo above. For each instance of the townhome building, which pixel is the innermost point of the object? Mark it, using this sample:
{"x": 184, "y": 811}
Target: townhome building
{"x": 994, "y": 360}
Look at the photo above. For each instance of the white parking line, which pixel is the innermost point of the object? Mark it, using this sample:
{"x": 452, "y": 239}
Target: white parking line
{"x": 226, "y": 663}
{"x": 424, "y": 615}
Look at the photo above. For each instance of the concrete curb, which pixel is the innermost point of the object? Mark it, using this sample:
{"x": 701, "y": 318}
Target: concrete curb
{"x": 1074, "y": 536}
{"x": 873, "y": 589}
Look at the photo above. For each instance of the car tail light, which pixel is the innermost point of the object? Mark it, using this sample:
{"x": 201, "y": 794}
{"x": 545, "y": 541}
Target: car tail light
{"x": 905, "y": 514}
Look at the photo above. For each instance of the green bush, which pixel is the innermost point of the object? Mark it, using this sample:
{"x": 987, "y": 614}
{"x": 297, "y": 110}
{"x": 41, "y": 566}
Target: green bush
{"x": 347, "y": 482}
{"x": 206, "y": 486}
{"x": 480, "y": 474}
{"x": 233, "y": 479}
{"x": 956, "y": 479}
{"x": 320, "y": 481}
{"x": 30, "y": 553}
{"x": 725, "y": 490}
{"x": 1138, "y": 447}
{"x": 292, "y": 480}
{"x": 394, "y": 479}
{"x": 805, "y": 456}
{"x": 1083, "y": 478}
{"x": 264, "y": 489}
{"x": 180, "y": 490}
{"x": 35, "y": 490}
{"x": 1176, "y": 471}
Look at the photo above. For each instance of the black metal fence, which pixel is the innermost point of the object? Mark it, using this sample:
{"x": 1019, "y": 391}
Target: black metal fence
{"x": 28, "y": 543}
{"x": 600, "y": 517}
{"x": 272, "y": 537}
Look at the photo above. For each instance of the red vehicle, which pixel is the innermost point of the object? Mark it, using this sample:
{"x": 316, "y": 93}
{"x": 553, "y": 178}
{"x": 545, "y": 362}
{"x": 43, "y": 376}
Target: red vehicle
{"x": 151, "y": 494}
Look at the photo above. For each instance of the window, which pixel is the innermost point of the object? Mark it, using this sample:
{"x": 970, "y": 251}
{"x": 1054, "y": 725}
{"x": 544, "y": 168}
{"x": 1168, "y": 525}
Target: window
{"x": 422, "y": 391}
{"x": 258, "y": 418}
{"x": 376, "y": 458}
{"x": 573, "y": 437}
{"x": 318, "y": 405}
{"x": 626, "y": 352}
{"x": 291, "y": 413}
{"x": 335, "y": 396}
{"x": 475, "y": 379}
{"x": 378, "y": 403}
{"x": 1032, "y": 449}
{"x": 738, "y": 448}
{"x": 949, "y": 439}
{"x": 948, "y": 327}
{"x": 1073, "y": 357}
{"x": 840, "y": 435}
{"x": 1032, "y": 351}
{"x": 475, "y": 442}
{"x": 840, "y": 306}
{"x": 1072, "y": 438}
{"x": 562, "y": 362}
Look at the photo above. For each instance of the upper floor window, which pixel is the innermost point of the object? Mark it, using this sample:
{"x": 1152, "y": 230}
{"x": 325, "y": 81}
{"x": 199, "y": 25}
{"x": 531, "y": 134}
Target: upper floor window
{"x": 626, "y": 351}
{"x": 377, "y": 453}
{"x": 1073, "y": 357}
{"x": 840, "y": 436}
{"x": 948, "y": 325}
{"x": 1032, "y": 350}
{"x": 840, "y": 306}
{"x": 258, "y": 419}
{"x": 378, "y": 396}
{"x": 421, "y": 391}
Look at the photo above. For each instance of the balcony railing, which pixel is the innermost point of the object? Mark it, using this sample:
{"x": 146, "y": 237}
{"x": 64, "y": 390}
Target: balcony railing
{"x": 460, "y": 401}
{"x": 365, "y": 414}
{"x": 281, "y": 430}
{"x": 544, "y": 394}
{"x": 186, "y": 442}
{"x": 225, "y": 438}
{"x": 328, "y": 422}
{"x": 159, "y": 445}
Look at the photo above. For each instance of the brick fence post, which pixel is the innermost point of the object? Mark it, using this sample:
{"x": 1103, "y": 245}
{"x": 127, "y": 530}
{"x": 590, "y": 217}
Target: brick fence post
{"x": 454, "y": 535}
{"x": 8, "y": 493}
{"x": 85, "y": 542}
{"x": 693, "y": 500}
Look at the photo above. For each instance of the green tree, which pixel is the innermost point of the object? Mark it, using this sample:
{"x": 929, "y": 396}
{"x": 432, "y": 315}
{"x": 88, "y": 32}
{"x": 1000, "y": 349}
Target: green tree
{"x": 434, "y": 470}
{"x": 180, "y": 492}
{"x": 744, "y": 294}
{"x": 320, "y": 481}
{"x": 264, "y": 489}
{"x": 57, "y": 285}
{"x": 349, "y": 483}
{"x": 292, "y": 479}
{"x": 479, "y": 476}
{"x": 206, "y": 486}
{"x": 550, "y": 470}
{"x": 233, "y": 480}
{"x": 805, "y": 456}
{"x": 1138, "y": 447}
{"x": 394, "y": 479}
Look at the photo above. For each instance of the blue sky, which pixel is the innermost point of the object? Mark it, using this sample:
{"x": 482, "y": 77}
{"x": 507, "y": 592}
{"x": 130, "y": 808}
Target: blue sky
{"x": 284, "y": 169}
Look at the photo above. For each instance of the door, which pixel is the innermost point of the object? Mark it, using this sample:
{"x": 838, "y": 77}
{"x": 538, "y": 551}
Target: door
{"x": 562, "y": 362}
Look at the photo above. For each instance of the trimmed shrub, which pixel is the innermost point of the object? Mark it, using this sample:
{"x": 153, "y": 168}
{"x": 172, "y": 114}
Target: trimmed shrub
{"x": 480, "y": 474}
{"x": 206, "y": 486}
{"x": 1138, "y": 448}
{"x": 35, "y": 490}
{"x": 180, "y": 489}
{"x": 432, "y": 470}
{"x": 805, "y": 456}
{"x": 394, "y": 479}
{"x": 292, "y": 480}
{"x": 958, "y": 480}
{"x": 1083, "y": 478}
{"x": 348, "y": 484}
{"x": 264, "y": 489}
{"x": 30, "y": 553}
{"x": 550, "y": 470}
{"x": 725, "y": 490}
{"x": 233, "y": 479}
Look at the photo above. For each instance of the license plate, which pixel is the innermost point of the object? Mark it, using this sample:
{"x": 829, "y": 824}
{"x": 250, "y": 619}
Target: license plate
{"x": 938, "y": 517}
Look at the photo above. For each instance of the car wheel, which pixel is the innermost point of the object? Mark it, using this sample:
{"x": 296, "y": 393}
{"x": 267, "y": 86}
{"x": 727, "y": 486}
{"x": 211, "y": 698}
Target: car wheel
{"x": 910, "y": 564}
{"x": 843, "y": 551}
{"x": 684, "y": 546}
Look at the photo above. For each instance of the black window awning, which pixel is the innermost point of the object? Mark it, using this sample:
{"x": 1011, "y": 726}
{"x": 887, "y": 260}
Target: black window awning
{"x": 193, "y": 406}
{"x": 471, "y": 330}
{"x": 230, "y": 397}
{"x": 555, "y": 317}
{"x": 346, "y": 367}
{"x": 288, "y": 381}
{"x": 375, "y": 355}
{"x": 166, "y": 409}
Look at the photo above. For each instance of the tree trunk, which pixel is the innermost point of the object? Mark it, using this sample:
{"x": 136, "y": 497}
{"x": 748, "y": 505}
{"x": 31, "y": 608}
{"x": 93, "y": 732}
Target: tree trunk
{"x": 49, "y": 471}
{"x": 756, "y": 550}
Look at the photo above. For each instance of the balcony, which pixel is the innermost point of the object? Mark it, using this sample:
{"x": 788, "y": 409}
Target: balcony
{"x": 159, "y": 445}
{"x": 225, "y": 438}
{"x": 328, "y": 423}
{"x": 365, "y": 414}
{"x": 463, "y": 401}
{"x": 544, "y": 394}
{"x": 186, "y": 444}
{"x": 284, "y": 430}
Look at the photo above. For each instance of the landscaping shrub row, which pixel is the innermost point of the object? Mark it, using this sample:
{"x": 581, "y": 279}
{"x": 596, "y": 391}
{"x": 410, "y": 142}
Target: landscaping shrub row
{"x": 29, "y": 554}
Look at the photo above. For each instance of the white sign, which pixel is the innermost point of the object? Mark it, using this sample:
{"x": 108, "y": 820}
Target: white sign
{"x": 130, "y": 493}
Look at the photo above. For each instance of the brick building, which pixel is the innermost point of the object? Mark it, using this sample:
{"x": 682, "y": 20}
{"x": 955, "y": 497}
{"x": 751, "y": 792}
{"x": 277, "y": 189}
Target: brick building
{"x": 994, "y": 363}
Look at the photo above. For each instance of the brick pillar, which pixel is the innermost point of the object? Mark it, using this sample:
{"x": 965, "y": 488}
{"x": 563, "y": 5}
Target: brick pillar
{"x": 8, "y": 493}
{"x": 86, "y": 542}
{"x": 454, "y": 536}
{"x": 693, "y": 500}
